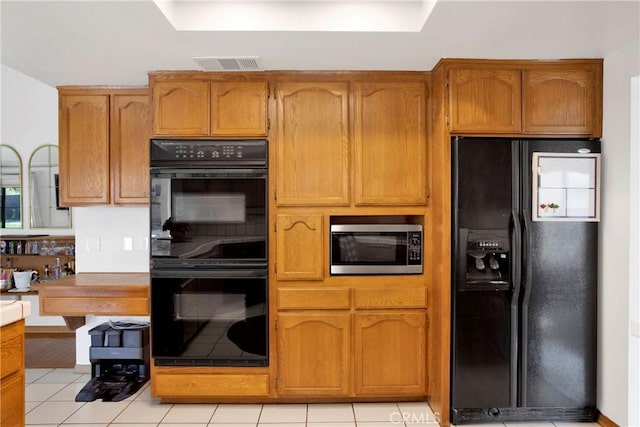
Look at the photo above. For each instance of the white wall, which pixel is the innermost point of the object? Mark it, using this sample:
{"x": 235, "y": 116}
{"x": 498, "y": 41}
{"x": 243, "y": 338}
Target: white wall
{"x": 100, "y": 239}
{"x": 615, "y": 289}
{"x": 29, "y": 120}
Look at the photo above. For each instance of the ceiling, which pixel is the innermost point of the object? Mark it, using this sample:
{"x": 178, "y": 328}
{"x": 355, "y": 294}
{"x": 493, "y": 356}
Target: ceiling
{"x": 119, "y": 42}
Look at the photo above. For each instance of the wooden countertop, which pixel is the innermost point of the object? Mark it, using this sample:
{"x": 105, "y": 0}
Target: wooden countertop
{"x": 96, "y": 293}
{"x": 101, "y": 280}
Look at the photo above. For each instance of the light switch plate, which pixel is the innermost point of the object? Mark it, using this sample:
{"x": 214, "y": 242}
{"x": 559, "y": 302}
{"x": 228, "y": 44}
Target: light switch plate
{"x": 128, "y": 243}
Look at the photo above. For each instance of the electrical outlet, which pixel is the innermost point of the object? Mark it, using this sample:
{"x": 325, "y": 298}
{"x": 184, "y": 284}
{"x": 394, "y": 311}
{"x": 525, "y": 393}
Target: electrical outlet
{"x": 92, "y": 244}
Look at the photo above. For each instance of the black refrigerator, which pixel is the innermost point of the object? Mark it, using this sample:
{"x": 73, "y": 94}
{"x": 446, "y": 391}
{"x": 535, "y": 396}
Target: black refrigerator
{"x": 524, "y": 279}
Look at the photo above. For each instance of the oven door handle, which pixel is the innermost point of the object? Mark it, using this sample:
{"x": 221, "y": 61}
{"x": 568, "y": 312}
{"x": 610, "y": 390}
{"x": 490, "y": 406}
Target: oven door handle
{"x": 211, "y": 274}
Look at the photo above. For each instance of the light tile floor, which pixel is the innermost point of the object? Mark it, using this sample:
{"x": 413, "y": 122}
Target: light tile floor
{"x": 50, "y": 401}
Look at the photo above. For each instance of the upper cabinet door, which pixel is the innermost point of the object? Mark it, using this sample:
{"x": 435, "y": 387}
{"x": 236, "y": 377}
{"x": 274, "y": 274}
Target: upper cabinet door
{"x": 130, "y": 134}
{"x": 562, "y": 100}
{"x": 390, "y": 144}
{"x": 484, "y": 100}
{"x": 239, "y": 108}
{"x": 84, "y": 149}
{"x": 181, "y": 108}
{"x": 299, "y": 247}
{"x": 312, "y": 143}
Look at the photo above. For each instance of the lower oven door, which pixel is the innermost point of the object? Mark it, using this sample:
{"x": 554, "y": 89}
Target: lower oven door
{"x": 209, "y": 318}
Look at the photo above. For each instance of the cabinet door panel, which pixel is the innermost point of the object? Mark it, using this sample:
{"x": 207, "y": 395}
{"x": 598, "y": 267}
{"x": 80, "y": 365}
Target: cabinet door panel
{"x": 390, "y": 144}
{"x": 313, "y": 354}
{"x": 299, "y": 247}
{"x": 390, "y": 355}
{"x": 181, "y": 108}
{"x": 485, "y": 100}
{"x": 130, "y": 133}
{"x": 84, "y": 149}
{"x": 560, "y": 101}
{"x": 12, "y": 406}
{"x": 239, "y": 108}
{"x": 312, "y": 144}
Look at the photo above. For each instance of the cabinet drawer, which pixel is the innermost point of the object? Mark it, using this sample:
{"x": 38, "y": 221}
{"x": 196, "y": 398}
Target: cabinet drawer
{"x": 11, "y": 349}
{"x": 210, "y": 385}
{"x": 320, "y": 298}
{"x": 11, "y": 358}
{"x": 391, "y": 297}
{"x": 78, "y": 306}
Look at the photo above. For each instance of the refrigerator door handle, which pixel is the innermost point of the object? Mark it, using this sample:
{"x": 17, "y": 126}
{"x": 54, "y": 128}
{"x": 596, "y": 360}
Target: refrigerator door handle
{"x": 527, "y": 286}
{"x": 516, "y": 277}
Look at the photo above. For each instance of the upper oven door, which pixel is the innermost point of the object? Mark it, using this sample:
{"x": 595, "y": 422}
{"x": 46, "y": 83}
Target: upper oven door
{"x": 208, "y": 216}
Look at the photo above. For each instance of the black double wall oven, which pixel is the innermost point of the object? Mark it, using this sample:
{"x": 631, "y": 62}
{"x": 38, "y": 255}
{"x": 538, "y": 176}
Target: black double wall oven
{"x": 209, "y": 290}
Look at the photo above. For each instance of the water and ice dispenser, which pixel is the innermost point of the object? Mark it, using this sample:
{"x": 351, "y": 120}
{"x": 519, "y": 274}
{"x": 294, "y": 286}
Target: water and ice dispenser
{"x": 486, "y": 259}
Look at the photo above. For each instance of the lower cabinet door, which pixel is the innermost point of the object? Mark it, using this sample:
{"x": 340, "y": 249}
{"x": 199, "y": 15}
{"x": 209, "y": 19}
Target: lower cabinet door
{"x": 12, "y": 400}
{"x": 313, "y": 353}
{"x": 390, "y": 354}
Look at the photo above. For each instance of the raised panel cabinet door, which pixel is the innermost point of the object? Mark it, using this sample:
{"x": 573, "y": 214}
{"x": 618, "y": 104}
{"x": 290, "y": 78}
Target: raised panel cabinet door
{"x": 312, "y": 143}
{"x": 390, "y": 144}
{"x": 562, "y": 101}
{"x": 130, "y": 133}
{"x": 485, "y": 100}
{"x": 299, "y": 247}
{"x": 390, "y": 354}
{"x": 181, "y": 108}
{"x": 313, "y": 353}
{"x": 239, "y": 108}
{"x": 12, "y": 405}
{"x": 84, "y": 149}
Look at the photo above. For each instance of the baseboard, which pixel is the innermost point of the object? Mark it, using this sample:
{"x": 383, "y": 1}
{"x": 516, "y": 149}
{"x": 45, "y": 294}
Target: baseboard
{"x": 604, "y": 421}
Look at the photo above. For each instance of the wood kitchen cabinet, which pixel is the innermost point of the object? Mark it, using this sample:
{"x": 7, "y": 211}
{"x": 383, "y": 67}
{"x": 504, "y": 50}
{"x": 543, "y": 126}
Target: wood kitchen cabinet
{"x": 390, "y": 143}
{"x": 562, "y": 100}
{"x": 299, "y": 247}
{"x": 196, "y": 106}
{"x": 357, "y": 340}
{"x": 485, "y": 99}
{"x": 314, "y": 350}
{"x": 12, "y": 380}
{"x": 390, "y": 353}
{"x": 104, "y": 143}
{"x": 312, "y": 143}
{"x": 130, "y": 134}
{"x": 525, "y": 97}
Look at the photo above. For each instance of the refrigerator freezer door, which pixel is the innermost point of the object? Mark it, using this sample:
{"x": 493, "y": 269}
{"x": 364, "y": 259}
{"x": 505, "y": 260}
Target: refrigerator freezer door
{"x": 482, "y": 312}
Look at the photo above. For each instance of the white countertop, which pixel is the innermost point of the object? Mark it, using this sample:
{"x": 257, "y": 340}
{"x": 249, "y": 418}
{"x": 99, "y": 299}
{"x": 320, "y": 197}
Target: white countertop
{"x": 12, "y": 311}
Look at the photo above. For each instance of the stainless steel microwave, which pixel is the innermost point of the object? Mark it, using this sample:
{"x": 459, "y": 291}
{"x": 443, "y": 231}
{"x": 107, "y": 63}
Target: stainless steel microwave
{"x": 359, "y": 249}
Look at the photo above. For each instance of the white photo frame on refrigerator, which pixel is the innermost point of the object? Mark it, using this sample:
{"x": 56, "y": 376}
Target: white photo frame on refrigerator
{"x": 566, "y": 187}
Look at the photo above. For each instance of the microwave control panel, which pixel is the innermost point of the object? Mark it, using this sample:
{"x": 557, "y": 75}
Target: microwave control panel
{"x": 414, "y": 248}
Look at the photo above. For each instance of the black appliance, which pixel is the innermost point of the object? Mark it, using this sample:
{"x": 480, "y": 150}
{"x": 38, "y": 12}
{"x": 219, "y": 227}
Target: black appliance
{"x": 376, "y": 249}
{"x": 209, "y": 276}
{"x": 119, "y": 355}
{"x": 524, "y": 280}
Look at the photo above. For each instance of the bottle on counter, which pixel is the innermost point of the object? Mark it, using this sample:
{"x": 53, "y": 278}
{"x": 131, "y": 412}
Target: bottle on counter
{"x": 57, "y": 270}
{"x": 67, "y": 271}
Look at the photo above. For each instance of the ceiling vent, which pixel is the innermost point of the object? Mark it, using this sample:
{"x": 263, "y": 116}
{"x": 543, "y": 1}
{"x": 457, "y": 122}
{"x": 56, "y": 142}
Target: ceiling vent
{"x": 218, "y": 63}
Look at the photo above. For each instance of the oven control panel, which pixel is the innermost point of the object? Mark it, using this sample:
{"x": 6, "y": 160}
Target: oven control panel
{"x": 165, "y": 151}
